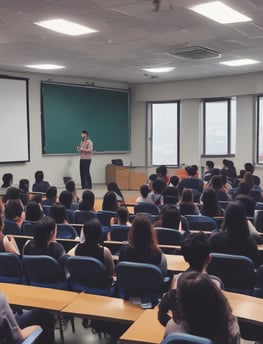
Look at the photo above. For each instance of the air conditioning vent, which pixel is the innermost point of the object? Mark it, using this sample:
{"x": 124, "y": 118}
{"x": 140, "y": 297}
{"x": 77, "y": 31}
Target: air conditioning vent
{"x": 194, "y": 53}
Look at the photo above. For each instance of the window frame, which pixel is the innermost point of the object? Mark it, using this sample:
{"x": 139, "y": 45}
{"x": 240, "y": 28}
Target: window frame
{"x": 229, "y": 137}
{"x": 257, "y": 127}
{"x": 149, "y": 151}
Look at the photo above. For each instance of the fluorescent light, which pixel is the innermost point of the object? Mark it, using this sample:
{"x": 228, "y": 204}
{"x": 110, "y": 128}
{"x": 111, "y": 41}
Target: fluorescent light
{"x": 45, "y": 66}
{"x": 66, "y": 27}
{"x": 159, "y": 70}
{"x": 221, "y": 13}
{"x": 240, "y": 62}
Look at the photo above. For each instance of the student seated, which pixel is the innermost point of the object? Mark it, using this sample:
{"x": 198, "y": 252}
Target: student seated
{"x": 186, "y": 203}
{"x": 7, "y": 242}
{"x": 195, "y": 250}
{"x": 145, "y": 194}
{"x": 7, "y": 182}
{"x": 14, "y": 211}
{"x": 202, "y": 310}
{"x": 23, "y": 325}
{"x": 40, "y": 184}
{"x": 114, "y": 187}
{"x": 51, "y": 196}
{"x": 88, "y": 201}
{"x": 91, "y": 247}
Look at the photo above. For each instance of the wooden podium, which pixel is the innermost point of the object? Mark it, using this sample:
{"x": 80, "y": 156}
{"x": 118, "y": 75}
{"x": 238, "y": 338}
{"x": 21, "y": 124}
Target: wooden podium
{"x": 126, "y": 177}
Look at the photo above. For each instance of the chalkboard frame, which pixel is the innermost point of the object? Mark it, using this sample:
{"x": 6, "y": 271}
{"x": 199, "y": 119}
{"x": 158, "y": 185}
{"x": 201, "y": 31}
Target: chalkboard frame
{"x": 122, "y": 121}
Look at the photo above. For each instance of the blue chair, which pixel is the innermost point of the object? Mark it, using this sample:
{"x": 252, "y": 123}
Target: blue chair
{"x": 7, "y": 334}
{"x": 185, "y": 338}
{"x": 201, "y": 223}
{"x": 66, "y": 231}
{"x": 256, "y": 195}
{"x": 11, "y": 227}
{"x": 259, "y": 206}
{"x": 11, "y": 269}
{"x": 258, "y": 220}
{"x": 140, "y": 280}
{"x": 168, "y": 236}
{"x": 236, "y": 272}
{"x": 81, "y": 216}
{"x": 88, "y": 274}
{"x": 28, "y": 228}
{"x": 46, "y": 209}
{"x": 119, "y": 232}
{"x": 70, "y": 215}
{"x": 144, "y": 207}
{"x": 105, "y": 216}
{"x": 44, "y": 271}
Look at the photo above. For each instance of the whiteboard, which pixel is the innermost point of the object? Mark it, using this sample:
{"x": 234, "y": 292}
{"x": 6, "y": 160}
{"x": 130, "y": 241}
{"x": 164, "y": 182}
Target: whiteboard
{"x": 14, "y": 120}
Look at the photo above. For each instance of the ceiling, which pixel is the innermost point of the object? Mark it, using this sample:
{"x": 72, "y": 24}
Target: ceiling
{"x": 132, "y": 35}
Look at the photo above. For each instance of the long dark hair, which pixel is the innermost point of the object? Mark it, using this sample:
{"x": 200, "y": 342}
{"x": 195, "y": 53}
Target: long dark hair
{"x": 235, "y": 224}
{"x": 110, "y": 201}
{"x": 202, "y": 305}
{"x": 142, "y": 237}
{"x": 114, "y": 187}
{"x": 170, "y": 217}
{"x": 42, "y": 234}
{"x": 210, "y": 205}
{"x": 88, "y": 200}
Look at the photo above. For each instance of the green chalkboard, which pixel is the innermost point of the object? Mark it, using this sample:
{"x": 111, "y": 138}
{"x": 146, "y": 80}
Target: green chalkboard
{"x": 67, "y": 109}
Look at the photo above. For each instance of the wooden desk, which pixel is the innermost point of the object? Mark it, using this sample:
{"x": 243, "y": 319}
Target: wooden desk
{"x": 103, "y": 308}
{"x": 36, "y": 297}
{"x": 147, "y": 329}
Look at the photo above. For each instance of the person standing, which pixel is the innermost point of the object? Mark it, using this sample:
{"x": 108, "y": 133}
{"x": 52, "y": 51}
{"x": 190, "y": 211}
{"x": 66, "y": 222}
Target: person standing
{"x": 85, "y": 149}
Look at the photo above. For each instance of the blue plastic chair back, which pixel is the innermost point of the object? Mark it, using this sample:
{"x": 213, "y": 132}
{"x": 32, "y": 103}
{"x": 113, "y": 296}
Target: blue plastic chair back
{"x": 66, "y": 231}
{"x": 44, "y": 271}
{"x": 201, "y": 223}
{"x": 185, "y": 338}
{"x": 81, "y": 216}
{"x": 119, "y": 232}
{"x": 11, "y": 227}
{"x": 168, "y": 236}
{"x": 11, "y": 269}
{"x": 146, "y": 208}
{"x": 88, "y": 274}
{"x": 236, "y": 272}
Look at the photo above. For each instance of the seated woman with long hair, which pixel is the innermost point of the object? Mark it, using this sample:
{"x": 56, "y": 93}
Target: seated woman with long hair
{"x": 210, "y": 206}
{"x": 142, "y": 244}
{"x": 114, "y": 187}
{"x": 110, "y": 202}
{"x": 201, "y": 309}
{"x": 91, "y": 247}
{"x": 234, "y": 237}
{"x": 44, "y": 241}
{"x": 187, "y": 206}
{"x": 88, "y": 200}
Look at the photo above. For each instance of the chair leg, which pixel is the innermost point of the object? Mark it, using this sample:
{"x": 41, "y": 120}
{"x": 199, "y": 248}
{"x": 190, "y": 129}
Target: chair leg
{"x": 60, "y": 329}
{"x": 72, "y": 324}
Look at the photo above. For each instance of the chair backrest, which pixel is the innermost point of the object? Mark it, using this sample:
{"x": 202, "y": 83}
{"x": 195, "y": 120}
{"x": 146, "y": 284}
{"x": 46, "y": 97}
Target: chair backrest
{"x": 259, "y": 206}
{"x": 44, "y": 271}
{"x": 70, "y": 215}
{"x": 7, "y": 334}
{"x": 88, "y": 274}
{"x": 201, "y": 223}
{"x": 28, "y": 228}
{"x": 259, "y": 282}
{"x": 184, "y": 223}
{"x": 258, "y": 220}
{"x": 11, "y": 227}
{"x": 119, "y": 232}
{"x": 105, "y": 215}
{"x": 146, "y": 208}
{"x": 140, "y": 280}
{"x": 11, "y": 269}
{"x": 46, "y": 209}
{"x": 168, "y": 236}
{"x": 256, "y": 195}
{"x": 81, "y": 216}
{"x": 66, "y": 231}
{"x": 196, "y": 195}
{"x": 237, "y": 272}
{"x": 185, "y": 338}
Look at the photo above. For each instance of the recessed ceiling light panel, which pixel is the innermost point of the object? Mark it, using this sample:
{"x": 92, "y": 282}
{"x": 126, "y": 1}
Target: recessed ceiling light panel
{"x": 45, "y": 66}
{"x": 239, "y": 62}
{"x": 66, "y": 27}
{"x": 219, "y": 12}
{"x": 159, "y": 70}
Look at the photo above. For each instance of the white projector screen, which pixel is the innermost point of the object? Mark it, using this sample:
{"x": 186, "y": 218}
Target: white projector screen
{"x": 14, "y": 120}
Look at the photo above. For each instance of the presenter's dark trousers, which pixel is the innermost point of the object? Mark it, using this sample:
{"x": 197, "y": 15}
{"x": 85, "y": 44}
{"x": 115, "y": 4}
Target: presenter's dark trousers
{"x": 85, "y": 173}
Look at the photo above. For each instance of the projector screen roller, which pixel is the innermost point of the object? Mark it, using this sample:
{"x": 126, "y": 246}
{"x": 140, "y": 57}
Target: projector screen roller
{"x": 14, "y": 120}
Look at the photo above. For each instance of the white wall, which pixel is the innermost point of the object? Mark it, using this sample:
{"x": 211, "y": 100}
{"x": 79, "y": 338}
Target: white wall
{"x": 190, "y": 92}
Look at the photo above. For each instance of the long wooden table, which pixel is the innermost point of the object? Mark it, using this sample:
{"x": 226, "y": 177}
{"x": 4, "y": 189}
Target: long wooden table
{"x": 147, "y": 329}
{"x": 36, "y": 297}
{"x": 104, "y": 308}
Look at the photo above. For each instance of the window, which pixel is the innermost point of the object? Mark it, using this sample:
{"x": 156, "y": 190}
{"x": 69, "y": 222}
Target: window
{"x": 260, "y": 130}
{"x": 163, "y": 133}
{"x": 220, "y": 126}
